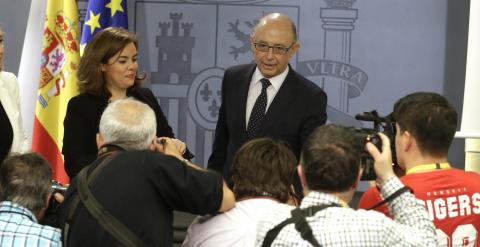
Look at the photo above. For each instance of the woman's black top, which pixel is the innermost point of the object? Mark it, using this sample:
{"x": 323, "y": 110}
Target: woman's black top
{"x": 6, "y": 136}
{"x": 81, "y": 126}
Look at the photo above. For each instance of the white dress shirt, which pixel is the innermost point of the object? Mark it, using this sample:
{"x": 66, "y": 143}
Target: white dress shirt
{"x": 256, "y": 88}
{"x": 11, "y": 103}
{"x": 236, "y": 227}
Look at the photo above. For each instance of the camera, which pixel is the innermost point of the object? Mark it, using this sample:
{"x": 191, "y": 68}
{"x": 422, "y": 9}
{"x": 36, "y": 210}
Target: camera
{"x": 57, "y": 187}
{"x": 363, "y": 135}
{"x": 366, "y": 160}
{"x": 52, "y": 214}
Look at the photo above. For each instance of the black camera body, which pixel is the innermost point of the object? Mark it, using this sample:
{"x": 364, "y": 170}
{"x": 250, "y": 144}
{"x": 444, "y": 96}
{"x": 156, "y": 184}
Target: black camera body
{"x": 52, "y": 213}
{"x": 380, "y": 124}
{"x": 366, "y": 160}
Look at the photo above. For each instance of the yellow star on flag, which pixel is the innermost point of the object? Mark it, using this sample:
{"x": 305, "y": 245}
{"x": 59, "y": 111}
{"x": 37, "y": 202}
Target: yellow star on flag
{"x": 115, "y": 5}
{"x": 93, "y": 21}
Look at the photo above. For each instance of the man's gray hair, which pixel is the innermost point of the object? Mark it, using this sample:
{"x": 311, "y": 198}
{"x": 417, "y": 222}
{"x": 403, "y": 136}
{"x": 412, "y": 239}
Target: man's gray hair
{"x": 25, "y": 179}
{"x": 128, "y": 123}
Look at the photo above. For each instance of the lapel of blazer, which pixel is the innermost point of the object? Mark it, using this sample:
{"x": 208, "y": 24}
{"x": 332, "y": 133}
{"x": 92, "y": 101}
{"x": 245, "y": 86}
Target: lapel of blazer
{"x": 243, "y": 86}
{"x": 282, "y": 100}
{"x": 7, "y": 95}
{"x": 3, "y": 88}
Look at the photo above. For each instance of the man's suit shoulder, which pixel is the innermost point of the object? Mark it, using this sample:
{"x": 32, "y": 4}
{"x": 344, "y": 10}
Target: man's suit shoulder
{"x": 236, "y": 77}
{"x": 307, "y": 86}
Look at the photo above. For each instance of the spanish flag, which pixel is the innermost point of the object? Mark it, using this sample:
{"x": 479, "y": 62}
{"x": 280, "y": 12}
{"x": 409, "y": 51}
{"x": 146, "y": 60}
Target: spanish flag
{"x": 58, "y": 83}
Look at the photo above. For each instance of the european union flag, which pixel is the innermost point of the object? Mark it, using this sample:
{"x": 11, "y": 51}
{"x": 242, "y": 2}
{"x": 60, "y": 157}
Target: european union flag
{"x": 102, "y": 14}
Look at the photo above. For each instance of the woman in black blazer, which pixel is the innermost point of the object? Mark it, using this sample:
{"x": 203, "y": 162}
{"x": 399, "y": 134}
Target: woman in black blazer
{"x": 107, "y": 71}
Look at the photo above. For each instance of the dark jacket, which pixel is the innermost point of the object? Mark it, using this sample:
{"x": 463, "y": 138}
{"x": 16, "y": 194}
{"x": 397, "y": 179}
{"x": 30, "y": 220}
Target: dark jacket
{"x": 297, "y": 109}
{"x": 140, "y": 189}
{"x": 81, "y": 126}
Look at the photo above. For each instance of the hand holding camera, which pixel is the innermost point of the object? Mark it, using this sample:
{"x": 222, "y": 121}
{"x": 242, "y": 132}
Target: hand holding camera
{"x": 52, "y": 213}
{"x": 364, "y": 135}
{"x": 171, "y": 146}
{"x": 382, "y": 159}
{"x": 58, "y": 191}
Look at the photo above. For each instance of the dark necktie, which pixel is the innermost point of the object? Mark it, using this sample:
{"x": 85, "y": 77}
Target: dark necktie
{"x": 258, "y": 110}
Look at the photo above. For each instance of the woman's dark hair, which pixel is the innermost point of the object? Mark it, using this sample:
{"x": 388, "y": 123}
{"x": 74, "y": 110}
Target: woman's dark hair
{"x": 104, "y": 45}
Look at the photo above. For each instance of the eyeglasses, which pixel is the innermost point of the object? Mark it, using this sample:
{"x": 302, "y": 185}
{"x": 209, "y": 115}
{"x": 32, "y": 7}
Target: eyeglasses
{"x": 277, "y": 49}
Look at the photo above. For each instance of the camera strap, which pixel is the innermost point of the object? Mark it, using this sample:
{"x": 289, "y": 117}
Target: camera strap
{"x": 112, "y": 225}
{"x": 72, "y": 209}
{"x": 301, "y": 225}
{"x": 392, "y": 196}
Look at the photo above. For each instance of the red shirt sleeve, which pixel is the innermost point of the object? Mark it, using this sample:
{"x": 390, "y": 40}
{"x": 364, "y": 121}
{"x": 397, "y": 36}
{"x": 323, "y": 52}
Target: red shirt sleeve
{"x": 370, "y": 198}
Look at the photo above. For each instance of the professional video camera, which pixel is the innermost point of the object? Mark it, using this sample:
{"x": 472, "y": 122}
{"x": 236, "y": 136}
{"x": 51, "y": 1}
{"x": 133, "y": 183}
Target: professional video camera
{"x": 380, "y": 124}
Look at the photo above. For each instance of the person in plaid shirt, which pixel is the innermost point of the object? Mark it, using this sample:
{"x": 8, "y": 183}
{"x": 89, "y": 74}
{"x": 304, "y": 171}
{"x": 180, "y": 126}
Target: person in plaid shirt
{"x": 25, "y": 190}
{"x": 330, "y": 171}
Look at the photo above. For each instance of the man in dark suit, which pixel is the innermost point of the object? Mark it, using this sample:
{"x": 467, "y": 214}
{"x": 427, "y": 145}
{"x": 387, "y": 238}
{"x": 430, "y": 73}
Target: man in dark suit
{"x": 268, "y": 98}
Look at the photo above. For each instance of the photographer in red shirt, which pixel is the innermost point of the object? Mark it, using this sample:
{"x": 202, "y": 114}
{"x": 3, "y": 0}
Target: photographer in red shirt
{"x": 425, "y": 127}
